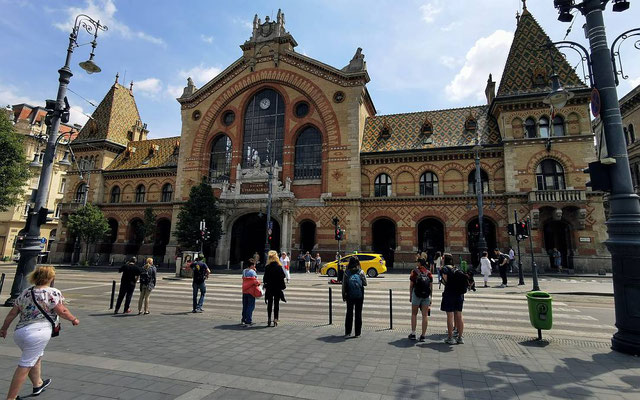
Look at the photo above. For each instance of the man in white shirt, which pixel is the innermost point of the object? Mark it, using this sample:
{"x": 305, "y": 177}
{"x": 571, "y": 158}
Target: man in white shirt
{"x": 512, "y": 257}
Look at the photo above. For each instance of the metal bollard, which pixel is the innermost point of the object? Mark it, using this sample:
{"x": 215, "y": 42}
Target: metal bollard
{"x": 1, "y": 282}
{"x": 330, "y": 308}
{"x": 113, "y": 293}
{"x": 390, "y": 309}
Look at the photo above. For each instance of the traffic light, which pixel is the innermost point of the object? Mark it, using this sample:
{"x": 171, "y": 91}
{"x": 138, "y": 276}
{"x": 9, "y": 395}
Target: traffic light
{"x": 511, "y": 228}
{"x": 341, "y": 234}
{"x": 337, "y": 233}
{"x": 599, "y": 176}
{"x": 43, "y": 216}
{"x": 522, "y": 229}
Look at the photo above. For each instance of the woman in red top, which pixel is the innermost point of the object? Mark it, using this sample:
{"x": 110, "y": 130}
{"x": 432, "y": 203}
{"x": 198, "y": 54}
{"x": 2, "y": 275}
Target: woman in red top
{"x": 420, "y": 289}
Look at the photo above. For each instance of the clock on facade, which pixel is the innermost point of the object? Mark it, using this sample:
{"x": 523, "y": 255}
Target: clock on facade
{"x": 265, "y": 103}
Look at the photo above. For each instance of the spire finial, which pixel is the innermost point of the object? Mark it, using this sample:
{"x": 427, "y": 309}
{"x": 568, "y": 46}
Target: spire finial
{"x": 131, "y": 87}
{"x": 524, "y": 5}
{"x": 117, "y": 76}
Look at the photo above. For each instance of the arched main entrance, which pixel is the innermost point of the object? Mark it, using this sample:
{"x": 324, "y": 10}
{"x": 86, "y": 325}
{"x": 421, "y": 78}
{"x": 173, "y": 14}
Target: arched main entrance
{"x": 430, "y": 236}
{"x": 557, "y": 234}
{"x": 135, "y": 236}
{"x": 473, "y": 231}
{"x": 307, "y": 235}
{"x": 106, "y": 244}
{"x": 162, "y": 235}
{"x": 383, "y": 232}
{"x": 248, "y": 236}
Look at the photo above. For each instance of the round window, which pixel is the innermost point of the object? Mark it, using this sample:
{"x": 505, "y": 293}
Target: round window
{"x": 338, "y": 97}
{"x": 228, "y": 118}
{"x": 196, "y": 115}
{"x": 302, "y": 109}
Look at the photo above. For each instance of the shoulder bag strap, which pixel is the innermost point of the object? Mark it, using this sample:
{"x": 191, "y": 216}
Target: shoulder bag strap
{"x": 33, "y": 297}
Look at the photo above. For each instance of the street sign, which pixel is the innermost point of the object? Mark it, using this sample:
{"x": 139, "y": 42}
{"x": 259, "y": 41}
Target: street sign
{"x": 270, "y": 225}
{"x": 595, "y": 102}
{"x": 43, "y": 240}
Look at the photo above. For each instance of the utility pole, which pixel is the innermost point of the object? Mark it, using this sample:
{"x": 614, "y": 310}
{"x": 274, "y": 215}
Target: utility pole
{"x": 520, "y": 272}
{"x": 534, "y": 267}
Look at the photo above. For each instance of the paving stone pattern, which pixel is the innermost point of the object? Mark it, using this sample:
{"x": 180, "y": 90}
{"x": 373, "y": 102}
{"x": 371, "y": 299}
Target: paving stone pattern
{"x": 194, "y": 356}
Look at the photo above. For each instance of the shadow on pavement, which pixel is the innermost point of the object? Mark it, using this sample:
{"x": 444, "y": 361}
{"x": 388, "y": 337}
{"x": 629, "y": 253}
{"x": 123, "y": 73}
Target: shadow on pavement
{"x": 535, "y": 343}
{"x": 403, "y": 343}
{"x": 438, "y": 346}
{"x": 232, "y": 327}
{"x": 178, "y": 313}
{"x": 105, "y": 314}
{"x": 333, "y": 338}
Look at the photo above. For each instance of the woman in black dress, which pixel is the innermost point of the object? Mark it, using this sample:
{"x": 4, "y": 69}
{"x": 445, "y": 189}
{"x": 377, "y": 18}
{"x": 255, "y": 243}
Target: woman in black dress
{"x": 274, "y": 285}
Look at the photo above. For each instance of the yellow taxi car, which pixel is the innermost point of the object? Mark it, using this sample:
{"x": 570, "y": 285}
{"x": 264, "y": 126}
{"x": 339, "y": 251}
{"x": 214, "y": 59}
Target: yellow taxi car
{"x": 371, "y": 263}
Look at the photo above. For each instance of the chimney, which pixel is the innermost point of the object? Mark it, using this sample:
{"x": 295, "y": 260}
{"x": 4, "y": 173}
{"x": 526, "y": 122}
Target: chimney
{"x": 490, "y": 90}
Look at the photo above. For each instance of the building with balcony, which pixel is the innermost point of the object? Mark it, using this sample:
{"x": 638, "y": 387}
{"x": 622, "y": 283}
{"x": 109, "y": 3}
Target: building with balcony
{"x": 397, "y": 183}
{"x": 29, "y": 121}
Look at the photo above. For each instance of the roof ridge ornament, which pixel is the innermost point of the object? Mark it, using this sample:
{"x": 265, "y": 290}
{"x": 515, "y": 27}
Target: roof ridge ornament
{"x": 357, "y": 63}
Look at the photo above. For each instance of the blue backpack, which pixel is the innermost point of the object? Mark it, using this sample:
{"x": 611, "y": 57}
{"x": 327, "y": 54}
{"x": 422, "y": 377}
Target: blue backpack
{"x": 355, "y": 289}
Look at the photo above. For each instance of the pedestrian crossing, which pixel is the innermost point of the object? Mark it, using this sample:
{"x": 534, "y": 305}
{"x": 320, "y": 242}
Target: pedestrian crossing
{"x": 308, "y": 303}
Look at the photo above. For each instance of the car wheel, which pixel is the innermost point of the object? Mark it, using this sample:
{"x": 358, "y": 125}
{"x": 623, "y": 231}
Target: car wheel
{"x": 372, "y": 273}
{"x": 332, "y": 272}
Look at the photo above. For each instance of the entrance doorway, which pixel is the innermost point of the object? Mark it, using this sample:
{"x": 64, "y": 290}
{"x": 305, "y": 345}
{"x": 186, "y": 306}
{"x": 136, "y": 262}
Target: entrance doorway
{"x": 307, "y": 235}
{"x": 430, "y": 236}
{"x": 384, "y": 239}
{"x": 162, "y": 236}
{"x": 473, "y": 231}
{"x": 248, "y": 236}
{"x": 557, "y": 234}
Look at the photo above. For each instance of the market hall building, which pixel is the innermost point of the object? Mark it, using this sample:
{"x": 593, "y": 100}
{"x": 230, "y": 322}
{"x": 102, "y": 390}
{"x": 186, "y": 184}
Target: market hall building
{"x": 398, "y": 183}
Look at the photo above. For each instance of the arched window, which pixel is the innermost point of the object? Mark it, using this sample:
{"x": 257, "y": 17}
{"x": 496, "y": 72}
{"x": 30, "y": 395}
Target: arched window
{"x": 220, "y": 164}
{"x": 550, "y": 175}
{"x": 484, "y": 178}
{"x": 115, "y": 195}
{"x": 81, "y": 192}
{"x": 428, "y": 184}
{"x": 632, "y": 134}
{"x": 558, "y": 126}
{"x": 530, "y": 127}
{"x": 167, "y": 192}
{"x": 263, "y": 124}
{"x": 308, "y": 159}
{"x": 140, "y": 194}
{"x": 543, "y": 127}
{"x": 382, "y": 186}
{"x": 626, "y": 135}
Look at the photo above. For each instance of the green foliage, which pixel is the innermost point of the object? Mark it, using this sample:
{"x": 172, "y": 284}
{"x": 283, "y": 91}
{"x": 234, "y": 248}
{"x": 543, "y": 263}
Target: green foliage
{"x": 148, "y": 225}
{"x": 202, "y": 204}
{"x": 14, "y": 169}
{"x": 89, "y": 224}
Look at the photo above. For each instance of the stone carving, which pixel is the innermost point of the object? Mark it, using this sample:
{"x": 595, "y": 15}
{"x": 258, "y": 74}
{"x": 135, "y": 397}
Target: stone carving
{"x": 535, "y": 219}
{"x": 357, "y": 63}
{"x": 189, "y": 89}
{"x": 582, "y": 216}
{"x": 557, "y": 214}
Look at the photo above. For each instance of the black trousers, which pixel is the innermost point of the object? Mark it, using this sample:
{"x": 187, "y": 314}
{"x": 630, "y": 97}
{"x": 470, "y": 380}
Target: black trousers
{"x": 273, "y": 302}
{"x": 348, "y": 323}
{"x": 126, "y": 289}
{"x": 503, "y": 273}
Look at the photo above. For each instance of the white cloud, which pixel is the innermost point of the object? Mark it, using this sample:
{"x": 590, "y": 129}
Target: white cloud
{"x": 430, "y": 10}
{"x": 77, "y": 116}
{"x": 449, "y": 62}
{"x": 174, "y": 91}
{"x": 149, "y": 86}
{"x": 200, "y": 74}
{"x": 206, "y": 39}
{"x": 450, "y": 27}
{"x": 9, "y": 96}
{"x": 244, "y": 23}
{"x": 488, "y": 55}
{"x": 104, "y": 11}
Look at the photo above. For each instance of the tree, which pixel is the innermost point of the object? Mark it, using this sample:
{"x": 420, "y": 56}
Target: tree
{"x": 148, "y": 224}
{"x": 202, "y": 204}
{"x": 89, "y": 225}
{"x": 14, "y": 169}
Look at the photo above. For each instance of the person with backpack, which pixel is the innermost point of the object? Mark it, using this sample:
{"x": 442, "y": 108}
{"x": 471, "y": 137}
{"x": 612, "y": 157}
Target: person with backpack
{"x": 130, "y": 273}
{"x": 420, "y": 289}
{"x": 200, "y": 274}
{"x": 503, "y": 263}
{"x": 147, "y": 283}
{"x": 353, "y": 285}
{"x": 250, "y": 290}
{"x": 455, "y": 286}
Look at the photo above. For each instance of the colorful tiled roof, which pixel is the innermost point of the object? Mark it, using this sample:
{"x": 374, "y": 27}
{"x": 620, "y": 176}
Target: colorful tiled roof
{"x": 146, "y": 154}
{"x": 527, "y": 59}
{"x": 115, "y": 116}
{"x": 448, "y": 130}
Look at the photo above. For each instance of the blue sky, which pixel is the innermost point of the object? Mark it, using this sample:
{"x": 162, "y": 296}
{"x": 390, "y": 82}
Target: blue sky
{"x": 421, "y": 54}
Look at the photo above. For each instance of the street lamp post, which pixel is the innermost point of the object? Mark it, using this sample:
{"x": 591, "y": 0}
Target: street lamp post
{"x": 31, "y": 248}
{"x": 482, "y": 243}
{"x": 623, "y": 225}
{"x": 269, "y": 226}
{"x": 77, "y": 251}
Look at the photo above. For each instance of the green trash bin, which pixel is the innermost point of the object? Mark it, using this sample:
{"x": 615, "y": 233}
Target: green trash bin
{"x": 540, "y": 310}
